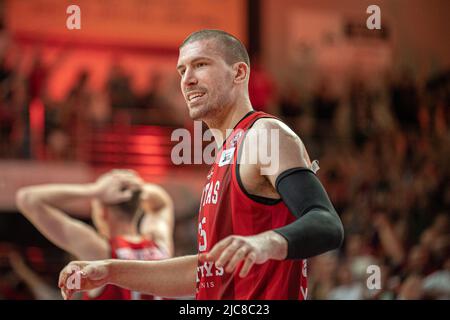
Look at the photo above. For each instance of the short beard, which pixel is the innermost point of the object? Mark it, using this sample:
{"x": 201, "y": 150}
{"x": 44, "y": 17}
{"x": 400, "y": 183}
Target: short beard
{"x": 202, "y": 113}
{"x": 210, "y": 111}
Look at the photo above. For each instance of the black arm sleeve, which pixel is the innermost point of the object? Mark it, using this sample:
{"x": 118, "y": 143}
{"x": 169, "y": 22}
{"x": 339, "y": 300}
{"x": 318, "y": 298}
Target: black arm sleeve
{"x": 318, "y": 228}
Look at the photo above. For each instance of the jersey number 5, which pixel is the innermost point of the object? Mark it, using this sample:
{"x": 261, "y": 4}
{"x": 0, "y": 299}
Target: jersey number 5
{"x": 202, "y": 243}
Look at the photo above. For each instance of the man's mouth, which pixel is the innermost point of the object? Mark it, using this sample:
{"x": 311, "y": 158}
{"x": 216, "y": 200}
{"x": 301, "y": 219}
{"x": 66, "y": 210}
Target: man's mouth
{"x": 194, "y": 96}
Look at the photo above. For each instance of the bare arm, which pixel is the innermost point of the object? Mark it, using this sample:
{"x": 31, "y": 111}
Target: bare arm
{"x": 40, "y": 205}
{"x": 158, "y": 221}
{"x": 174, "y": 277}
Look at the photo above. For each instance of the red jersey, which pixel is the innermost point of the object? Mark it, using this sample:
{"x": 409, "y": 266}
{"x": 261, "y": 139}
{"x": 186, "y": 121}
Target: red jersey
{"x": 226, "y": 209}
{"x": 125, "y": 250}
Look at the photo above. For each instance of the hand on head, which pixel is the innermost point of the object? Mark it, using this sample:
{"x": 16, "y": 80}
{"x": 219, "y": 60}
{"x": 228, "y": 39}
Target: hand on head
{"x": 117, "y": 186}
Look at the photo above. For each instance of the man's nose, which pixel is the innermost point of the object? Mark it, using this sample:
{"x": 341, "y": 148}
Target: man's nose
{"x": 189, "y": 78}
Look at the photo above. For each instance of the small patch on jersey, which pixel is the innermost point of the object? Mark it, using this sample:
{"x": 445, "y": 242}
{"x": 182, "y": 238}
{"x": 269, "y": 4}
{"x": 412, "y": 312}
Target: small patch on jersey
{"x": 226, "y": 157}
{"x": 235, "y": 139}
{"x": 315, "y": 166}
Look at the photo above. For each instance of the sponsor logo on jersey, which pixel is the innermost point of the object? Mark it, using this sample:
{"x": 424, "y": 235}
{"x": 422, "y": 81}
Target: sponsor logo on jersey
{"x": 226, "y": 157}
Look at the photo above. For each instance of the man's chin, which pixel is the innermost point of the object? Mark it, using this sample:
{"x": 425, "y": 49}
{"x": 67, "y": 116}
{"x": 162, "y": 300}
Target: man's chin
{"x": 195, "y": 116}
{"x": 197, "y": 113}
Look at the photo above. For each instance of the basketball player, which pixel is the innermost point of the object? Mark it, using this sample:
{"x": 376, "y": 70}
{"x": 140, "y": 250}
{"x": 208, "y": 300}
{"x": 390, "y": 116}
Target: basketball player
{"x": 120, "y": 200}
{"x": 255, "y": 228}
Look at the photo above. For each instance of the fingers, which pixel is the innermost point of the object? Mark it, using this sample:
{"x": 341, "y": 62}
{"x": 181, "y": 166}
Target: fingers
{"x": 248, "y": 264}
{"x": 63, "y": 294}
{"x": 66, "y": 293}
{"x": 227, "y": 253}
{"x": 218, "y": 248}
{"x": 78, "y": 276}
{"x": 129, "y": 172}
{"x": 239, "y": 255}
{"x": 117, "y": 190}
{"x": 128, "y": 175}
{"x": 63, "y": 278}
{"x": 202, "y": 257}
{"x": 132, "y": 185}
{"x": 232, "y": 251}
{"x": 93, "y": 272}
{"x": 124, "y": 195}
{"x": 127, "y": 184}
{"x": 62, "y": 281}
{"x": 120, "y": 177}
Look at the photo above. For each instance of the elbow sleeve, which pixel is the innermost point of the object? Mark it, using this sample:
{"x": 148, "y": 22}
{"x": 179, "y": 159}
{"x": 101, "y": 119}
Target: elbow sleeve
{"x": 318, "y": 227}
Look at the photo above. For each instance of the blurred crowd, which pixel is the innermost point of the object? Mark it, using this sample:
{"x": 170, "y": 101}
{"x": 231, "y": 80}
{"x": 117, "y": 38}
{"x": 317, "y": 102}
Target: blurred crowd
{"x": 70, "y": 122}
{"x": 383, "y": 151}
{"x": 384, "y": 155}
{"x": 35, "y": 125}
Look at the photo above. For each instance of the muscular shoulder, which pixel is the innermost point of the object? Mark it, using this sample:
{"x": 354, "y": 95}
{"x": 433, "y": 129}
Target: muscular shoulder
{"x": 273, "y": 124}
{"x": 279, "y": 142}
{"x": 275, "y": 147}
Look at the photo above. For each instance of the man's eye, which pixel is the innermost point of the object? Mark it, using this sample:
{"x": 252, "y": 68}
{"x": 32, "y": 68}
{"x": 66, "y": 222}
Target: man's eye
{"x": 201, "y": 64}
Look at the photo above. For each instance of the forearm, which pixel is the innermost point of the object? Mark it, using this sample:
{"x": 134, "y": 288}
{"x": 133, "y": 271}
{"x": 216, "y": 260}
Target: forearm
{"x": 42, "y": 206}
{"x": 54, "y": 194}
{"x": 154, "y": 198}
{"x": 158, "y": 221}
{"x": 167, "y": 278}
{"x": 159, "y": 229}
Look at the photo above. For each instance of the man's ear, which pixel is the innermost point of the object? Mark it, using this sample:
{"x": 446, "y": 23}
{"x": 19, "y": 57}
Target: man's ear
{"x": 241, "y": 72}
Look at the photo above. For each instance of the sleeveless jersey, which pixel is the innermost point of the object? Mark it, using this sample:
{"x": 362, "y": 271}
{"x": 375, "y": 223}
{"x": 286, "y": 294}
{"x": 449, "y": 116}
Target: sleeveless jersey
{"x": 226, "y": 209}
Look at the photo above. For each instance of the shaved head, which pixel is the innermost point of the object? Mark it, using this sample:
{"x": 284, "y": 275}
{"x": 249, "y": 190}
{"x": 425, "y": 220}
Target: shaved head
{"x": 231, "y": 48}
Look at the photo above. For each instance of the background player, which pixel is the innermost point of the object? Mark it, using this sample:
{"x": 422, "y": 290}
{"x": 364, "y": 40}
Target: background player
{"x": 134, "y": 220}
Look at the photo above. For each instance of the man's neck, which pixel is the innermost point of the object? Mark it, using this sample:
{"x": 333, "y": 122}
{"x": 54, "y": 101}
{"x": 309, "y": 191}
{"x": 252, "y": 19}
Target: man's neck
{"x": 227, "y": 120}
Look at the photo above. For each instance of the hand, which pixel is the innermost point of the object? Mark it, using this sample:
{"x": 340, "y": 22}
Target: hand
{"x": 233, "y": 250}
{"x": 117, "y": 186}
{"x": 82, "y": 276}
